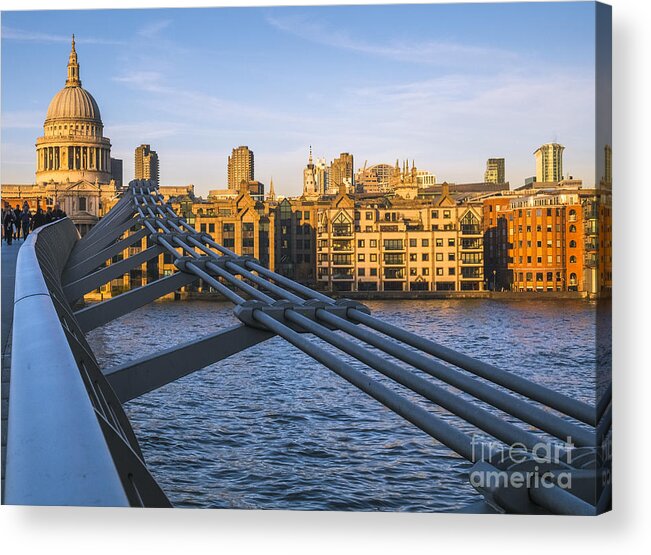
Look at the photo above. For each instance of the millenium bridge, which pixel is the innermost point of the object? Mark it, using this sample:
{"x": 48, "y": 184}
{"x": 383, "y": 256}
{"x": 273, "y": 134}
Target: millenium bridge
{"x": 70, "y": 442}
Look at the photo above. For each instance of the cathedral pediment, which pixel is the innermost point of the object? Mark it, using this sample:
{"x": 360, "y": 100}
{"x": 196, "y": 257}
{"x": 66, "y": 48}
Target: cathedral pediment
{"x": 82, "y": 186}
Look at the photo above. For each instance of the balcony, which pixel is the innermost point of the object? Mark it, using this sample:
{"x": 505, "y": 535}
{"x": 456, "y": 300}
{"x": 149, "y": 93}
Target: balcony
{"x": 471, "y": 230}
{"x": 342, "y": 231}
{"x": 342, "y": 260}
{"x": 394, "y": 260}
{"x": 394, "y": 274}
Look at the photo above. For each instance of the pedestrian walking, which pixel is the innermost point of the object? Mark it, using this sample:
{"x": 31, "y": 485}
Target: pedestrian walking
{"x": 17, "y": 215}
{"x": 48, "y": 215}
{"x": 25, "y": 220}
{"x": 38, "y": 219}
{"x": 8, "y": 220}
{"x": 57, "y": 213}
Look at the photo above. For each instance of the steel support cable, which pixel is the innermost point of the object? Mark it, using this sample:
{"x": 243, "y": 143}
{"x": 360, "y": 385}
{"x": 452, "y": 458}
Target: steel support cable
{"x": 252, "y": 291}
{"x": 571, "y": 407}
{"x": 604, "y": 401}
{"x": 605, "y": 424}
{"x": 481, "y": 418}
{"x": 560, "y": 501}
{"x": 249, "y": 275}
{"x": 502, "y": 400}
{"x": 431, "y": 424}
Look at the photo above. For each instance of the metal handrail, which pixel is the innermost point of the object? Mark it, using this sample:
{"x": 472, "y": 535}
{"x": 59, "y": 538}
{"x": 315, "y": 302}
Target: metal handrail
{"x": 68, "y": 440}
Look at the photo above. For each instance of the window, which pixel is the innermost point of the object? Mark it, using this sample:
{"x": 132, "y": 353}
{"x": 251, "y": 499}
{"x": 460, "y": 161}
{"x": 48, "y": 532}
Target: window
{"x": 393, "y": 244}
{"x": 425, "y": 243}
{"x": 373, "y": 243}
{"x": 450, "y": 242}
{"x": 435, "y": 214}
{"x": 374, "y": 258}
{"x": 82, "y": 203}
{"x": 374, "y": 271}
{"x": 439, "y": 271}
{"x": 211, "y": 228}
{"x": 204, "y": 228}
{"x": 572, "y": 228}
{"x": 446, "y": 214}
{"x": 360, "y": 243}
{"x": 539, "y": 276}
{"x": 361, "y": 272}
{"x": 439, "y": 242}
{"x": 451, "y": 256}
{"x": 572, "y": 259}
{"x": 412, "y": 242}
{"x": 529, "y": 276}
{"x": 412, "y": 271}
{"x": 306, "y": 215}
{"x": 439, "y": 257}
{"x": 451, "y": 271}
{"x": 360, "y": 258}
{"x": 413, "y": 257}
{"x": 393, "y": 258}
{"x": 426, "y": 271}
{"x": 572, "y": 244}
{"x": 539, "y": 244}
{"x": 369, "y": 215}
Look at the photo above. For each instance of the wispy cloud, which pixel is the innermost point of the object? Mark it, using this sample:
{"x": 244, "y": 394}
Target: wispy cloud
{"x": 12, "y": 33}
{"x": 22, "y": 119}
{"x": 152, "y": 30}
{"x": 443, "y": 53}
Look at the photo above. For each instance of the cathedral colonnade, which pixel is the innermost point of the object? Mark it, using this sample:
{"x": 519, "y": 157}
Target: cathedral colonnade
{"x": 89, "y": 158}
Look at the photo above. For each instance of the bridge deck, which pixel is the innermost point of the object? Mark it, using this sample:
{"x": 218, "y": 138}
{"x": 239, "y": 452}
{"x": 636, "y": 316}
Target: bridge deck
{"x": 9, "y": 256}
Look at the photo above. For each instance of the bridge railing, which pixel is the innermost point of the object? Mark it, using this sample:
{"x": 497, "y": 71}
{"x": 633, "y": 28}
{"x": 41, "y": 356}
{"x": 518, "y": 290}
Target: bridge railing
{"x": 69, "y": 441}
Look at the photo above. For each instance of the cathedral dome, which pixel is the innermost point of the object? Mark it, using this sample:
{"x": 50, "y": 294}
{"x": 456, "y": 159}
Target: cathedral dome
{"x": 73, "y": 103}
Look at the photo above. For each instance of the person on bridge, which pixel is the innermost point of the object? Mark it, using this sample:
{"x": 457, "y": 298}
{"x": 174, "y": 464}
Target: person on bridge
{"x": 17, "y": 216}
{"x": 8, "y": 220}
{"x": 25, "y": 220}
{"x": 57, "y": 213}
{"x": 38, "y": 219}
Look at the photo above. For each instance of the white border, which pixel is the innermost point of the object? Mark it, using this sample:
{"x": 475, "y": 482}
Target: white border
{"x": 24, "y": 529}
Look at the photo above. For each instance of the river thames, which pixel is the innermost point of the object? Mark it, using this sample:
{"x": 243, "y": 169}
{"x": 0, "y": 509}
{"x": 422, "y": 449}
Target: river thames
{"x": 269, "y": 428}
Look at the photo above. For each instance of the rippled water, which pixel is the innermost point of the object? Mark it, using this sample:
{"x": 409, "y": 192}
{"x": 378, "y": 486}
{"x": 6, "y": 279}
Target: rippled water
{"x": 269, "y": 428}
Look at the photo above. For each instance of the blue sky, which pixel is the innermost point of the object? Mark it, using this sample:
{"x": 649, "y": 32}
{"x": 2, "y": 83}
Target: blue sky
{"x": 446, "y": 85}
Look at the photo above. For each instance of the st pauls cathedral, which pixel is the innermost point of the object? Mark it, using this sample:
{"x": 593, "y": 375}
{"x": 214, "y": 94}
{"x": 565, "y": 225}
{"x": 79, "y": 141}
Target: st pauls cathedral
{"x": 73, "y": 158}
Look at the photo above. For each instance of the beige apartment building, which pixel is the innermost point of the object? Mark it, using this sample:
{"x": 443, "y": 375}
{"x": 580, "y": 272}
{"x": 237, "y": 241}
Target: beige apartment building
{"x": 382, "y": 244}
{"x": 549, "y": 162}
{"x": 241, "y": 167}
{"x": 146, "y": 164}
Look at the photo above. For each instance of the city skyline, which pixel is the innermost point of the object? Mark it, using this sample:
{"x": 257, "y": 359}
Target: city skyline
{"x": 448, "y": 103}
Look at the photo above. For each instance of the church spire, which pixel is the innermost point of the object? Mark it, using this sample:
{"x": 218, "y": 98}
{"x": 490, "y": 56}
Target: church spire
{"x": 73, "y": 68}
{"x": 272, "y": 193}
{"x": 310, "y": 160}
